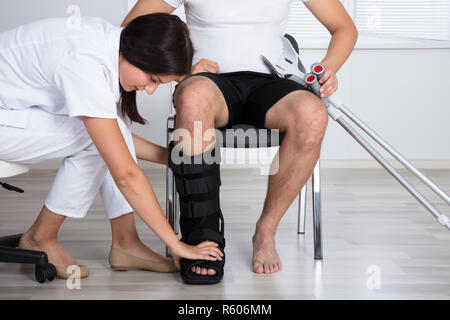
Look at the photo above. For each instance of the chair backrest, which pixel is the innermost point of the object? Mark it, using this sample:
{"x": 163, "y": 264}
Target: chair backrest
{"x": 9, "y": 169}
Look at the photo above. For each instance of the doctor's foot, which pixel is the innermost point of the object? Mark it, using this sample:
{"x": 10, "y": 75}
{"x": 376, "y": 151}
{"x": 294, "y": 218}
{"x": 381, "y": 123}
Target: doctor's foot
{"x": 136, "y": 255}
{"x": 265, "y": 256}
{"x": 129, "y": 252}
{"x": 56, "y": 255}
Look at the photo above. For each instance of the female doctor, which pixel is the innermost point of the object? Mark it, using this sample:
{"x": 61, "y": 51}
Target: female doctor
{"x": 70, "y": 93}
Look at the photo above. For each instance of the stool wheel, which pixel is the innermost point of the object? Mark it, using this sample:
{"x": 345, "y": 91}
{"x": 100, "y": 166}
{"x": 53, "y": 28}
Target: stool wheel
{"x": 45, "y": 272}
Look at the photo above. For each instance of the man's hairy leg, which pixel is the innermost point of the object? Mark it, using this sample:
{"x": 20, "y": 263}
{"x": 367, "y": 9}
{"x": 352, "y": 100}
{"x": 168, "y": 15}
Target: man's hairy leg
{"x": 200, "y": 101}
{"x": 303, "y": 119}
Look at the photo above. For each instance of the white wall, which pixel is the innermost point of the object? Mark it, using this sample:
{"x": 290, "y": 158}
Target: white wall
{"x": 17, "y": 12}
{"x": 154, "y": 108}
{"x": 402, "y": 94}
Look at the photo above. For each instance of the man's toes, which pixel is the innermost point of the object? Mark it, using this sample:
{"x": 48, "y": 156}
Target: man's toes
{"x": 258, "y": 267}
{"x": 211, "y": 272}
{"x": 203, "y": 271}
{"x": 266, "y": 268}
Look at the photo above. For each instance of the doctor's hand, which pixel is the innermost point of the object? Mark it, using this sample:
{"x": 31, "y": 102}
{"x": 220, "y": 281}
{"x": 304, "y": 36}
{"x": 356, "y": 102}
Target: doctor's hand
{"x": 205, "y": 65}
{"x": 206, "y": 250}
{"x": 329, "y": 83}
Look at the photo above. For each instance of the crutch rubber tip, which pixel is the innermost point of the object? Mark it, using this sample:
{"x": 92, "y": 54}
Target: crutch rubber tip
{"x": 444, "y": 220}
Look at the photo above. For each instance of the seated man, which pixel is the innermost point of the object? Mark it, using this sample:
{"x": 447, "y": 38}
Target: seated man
{"x": 232, "y": 85}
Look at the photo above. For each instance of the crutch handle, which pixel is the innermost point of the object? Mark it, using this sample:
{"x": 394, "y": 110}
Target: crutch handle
{"x": 318, "y": 69}
{"x": 312, "y": 81}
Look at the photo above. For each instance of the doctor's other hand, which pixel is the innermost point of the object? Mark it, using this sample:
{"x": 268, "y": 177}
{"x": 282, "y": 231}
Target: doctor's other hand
{"x": 205, "y": 65}
{"x": 206, "y": 250}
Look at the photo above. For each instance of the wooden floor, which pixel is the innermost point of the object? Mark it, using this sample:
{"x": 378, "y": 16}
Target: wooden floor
{"x": 372, "y": 229}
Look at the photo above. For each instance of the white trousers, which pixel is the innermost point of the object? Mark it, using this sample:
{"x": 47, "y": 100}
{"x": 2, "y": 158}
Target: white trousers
{"x": 82, "y": 172}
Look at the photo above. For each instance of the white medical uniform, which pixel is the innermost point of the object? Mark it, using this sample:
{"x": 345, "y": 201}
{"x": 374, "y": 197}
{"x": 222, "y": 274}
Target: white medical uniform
{"x": 50, "y": 75}
{"x": 234, "y": 33}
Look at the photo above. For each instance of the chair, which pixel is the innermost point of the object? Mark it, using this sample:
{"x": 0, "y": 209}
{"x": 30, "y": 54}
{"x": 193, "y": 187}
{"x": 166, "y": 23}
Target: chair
{"x": 8, "y": 245}
{"x": 172, "y": 207}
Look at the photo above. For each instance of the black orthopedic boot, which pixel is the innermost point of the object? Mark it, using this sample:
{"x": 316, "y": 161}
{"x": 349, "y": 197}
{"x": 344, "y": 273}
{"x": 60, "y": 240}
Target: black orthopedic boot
{"x": 198, "y": 182}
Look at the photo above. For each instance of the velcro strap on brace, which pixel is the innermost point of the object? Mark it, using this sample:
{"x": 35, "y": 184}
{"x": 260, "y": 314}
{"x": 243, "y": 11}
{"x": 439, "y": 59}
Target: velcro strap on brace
{"x": 198, "y": 185}
{"x": 204, "y": 184}
{"x": 193, "y": 209}
{"x": 194, "y": 166}
{"x": 203, "y": 234}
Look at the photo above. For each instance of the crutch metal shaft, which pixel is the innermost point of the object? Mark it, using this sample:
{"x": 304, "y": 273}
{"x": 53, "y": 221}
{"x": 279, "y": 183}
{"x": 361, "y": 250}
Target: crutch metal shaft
{"x": 312, "y": 80}
{"x": 388, "y": 167}
{"x": 331, "y": 104}
{"x": 290, "y": 69}
{"x": 319, "y": 70}
{"x": 392, "y": 151}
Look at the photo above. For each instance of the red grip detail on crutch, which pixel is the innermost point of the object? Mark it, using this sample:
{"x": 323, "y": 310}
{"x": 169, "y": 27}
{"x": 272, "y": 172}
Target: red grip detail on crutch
{"x": 311, "y": 78}
{"x": 318, "y": 69}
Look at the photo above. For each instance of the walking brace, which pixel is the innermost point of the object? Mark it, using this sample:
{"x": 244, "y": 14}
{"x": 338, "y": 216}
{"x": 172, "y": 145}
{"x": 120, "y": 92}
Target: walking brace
{"x": 290, "y": 67}
{"x": 197, "y": 180}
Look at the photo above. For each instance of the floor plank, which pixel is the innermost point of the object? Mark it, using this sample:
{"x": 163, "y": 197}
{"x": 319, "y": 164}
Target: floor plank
{"x": 368, "y": 220}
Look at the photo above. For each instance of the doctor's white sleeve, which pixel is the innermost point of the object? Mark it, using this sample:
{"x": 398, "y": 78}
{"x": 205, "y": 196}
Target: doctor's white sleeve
{"x": 174, "y": 3}
{"x": 85, "y": 88}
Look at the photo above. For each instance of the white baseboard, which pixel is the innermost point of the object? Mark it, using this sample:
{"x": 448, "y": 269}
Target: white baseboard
{"x": 334, "y": 164}
{"x": 372, "y": 164}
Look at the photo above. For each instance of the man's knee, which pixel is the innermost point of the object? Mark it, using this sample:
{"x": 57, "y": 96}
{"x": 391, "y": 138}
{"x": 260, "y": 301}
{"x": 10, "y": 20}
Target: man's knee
{"x": 198, "y": 99}
{"x": 195, "y": 95}
{"x": 309, "y": 120}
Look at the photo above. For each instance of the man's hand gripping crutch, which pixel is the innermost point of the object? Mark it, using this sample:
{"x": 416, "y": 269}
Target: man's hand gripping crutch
{"x": 289, "y": 66}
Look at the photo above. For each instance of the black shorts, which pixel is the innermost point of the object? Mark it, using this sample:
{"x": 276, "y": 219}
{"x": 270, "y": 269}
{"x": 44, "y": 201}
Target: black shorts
{"x": 249, "y": 95}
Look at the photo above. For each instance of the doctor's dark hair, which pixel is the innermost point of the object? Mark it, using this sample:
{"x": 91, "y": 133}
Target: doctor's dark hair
{"x": 156, "y": 43}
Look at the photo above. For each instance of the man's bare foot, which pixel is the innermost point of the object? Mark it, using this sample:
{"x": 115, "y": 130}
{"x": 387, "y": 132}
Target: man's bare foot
{"x": 265, "y": 257}
{"x": 55, "y": 252}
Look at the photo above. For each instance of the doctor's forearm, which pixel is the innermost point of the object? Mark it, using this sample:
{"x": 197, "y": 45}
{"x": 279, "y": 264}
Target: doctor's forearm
{"x": 340, "y": 47}
{"x": 145, "y": 150}
{"x": 140, "y": 195}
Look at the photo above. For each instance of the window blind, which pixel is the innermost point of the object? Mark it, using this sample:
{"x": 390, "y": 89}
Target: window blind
{"x": 422, "y": 19}
{"x": 413, "y": 19}
{"x": 303, "y": 25}
{"x": 419, "y": 19}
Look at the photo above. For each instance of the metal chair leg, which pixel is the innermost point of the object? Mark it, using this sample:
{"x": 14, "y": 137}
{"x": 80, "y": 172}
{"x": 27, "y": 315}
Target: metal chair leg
{"x": 170, "y": 182}
{"x": 176, "y": 208}
{"x": 316, "y": 202}
{"x": 302, "y": 209}
{"x": 169, "y": 201}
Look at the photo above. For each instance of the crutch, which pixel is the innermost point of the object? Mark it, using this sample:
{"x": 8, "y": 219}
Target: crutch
{"x": 289, "y": 66}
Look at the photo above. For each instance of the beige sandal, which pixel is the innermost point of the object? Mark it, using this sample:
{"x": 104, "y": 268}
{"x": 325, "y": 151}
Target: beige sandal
{"x": 122, "y": 261}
